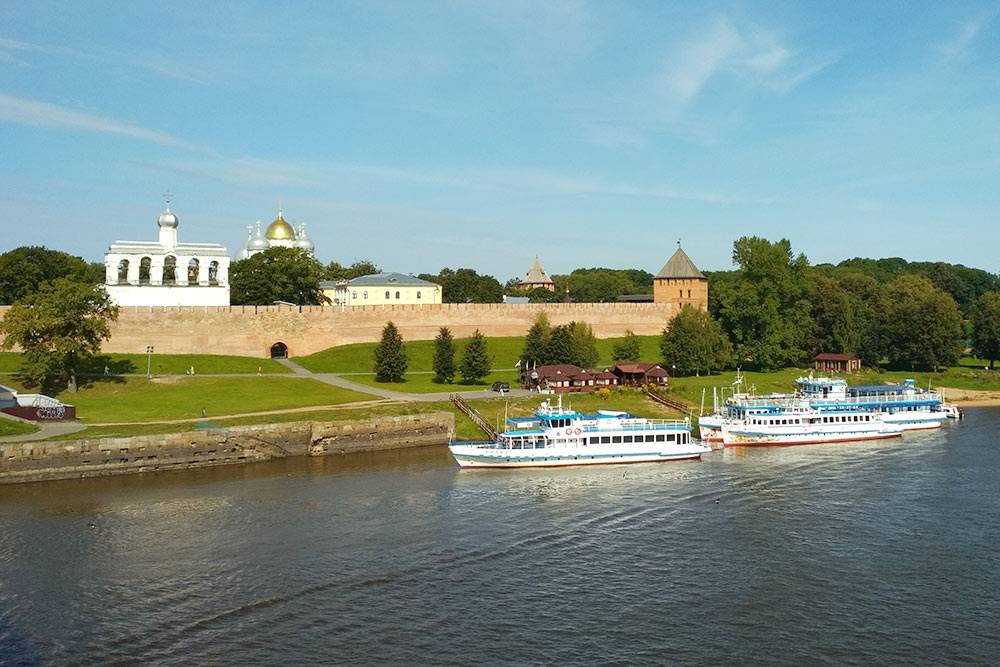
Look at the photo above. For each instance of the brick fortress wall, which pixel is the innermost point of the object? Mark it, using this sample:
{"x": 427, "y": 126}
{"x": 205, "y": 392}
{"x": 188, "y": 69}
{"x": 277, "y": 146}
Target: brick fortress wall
{"x": 251, "y": 330}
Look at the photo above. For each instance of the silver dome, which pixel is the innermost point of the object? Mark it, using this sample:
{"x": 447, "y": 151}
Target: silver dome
{"x": 258, "y": 242}
{"x": 302, "y": 241}
{"x": 167, "y": 219}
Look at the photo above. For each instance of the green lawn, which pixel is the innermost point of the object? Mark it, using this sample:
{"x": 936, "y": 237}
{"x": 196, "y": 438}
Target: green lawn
{"x": 11, "y": 427}
{"x": 137, "y": 399}
{"x": 164, "y": 364}
{"x": 505, "y": 351}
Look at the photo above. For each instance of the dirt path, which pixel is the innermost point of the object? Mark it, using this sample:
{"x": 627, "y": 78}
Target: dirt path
{"x": 970, "y": 397}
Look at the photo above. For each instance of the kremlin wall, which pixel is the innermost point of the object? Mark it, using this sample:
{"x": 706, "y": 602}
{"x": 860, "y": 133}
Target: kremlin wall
{"x": 252, "y": 330}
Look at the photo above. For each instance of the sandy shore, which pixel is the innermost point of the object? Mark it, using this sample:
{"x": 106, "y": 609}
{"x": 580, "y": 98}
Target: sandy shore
{"x": 970, "y": 398}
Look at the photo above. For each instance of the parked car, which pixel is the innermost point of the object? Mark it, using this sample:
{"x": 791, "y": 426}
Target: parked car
{"x": 501, "y": 385}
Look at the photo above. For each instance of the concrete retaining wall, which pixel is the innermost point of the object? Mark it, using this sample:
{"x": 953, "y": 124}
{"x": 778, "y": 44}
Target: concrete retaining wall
{"x": 39, "y": 461}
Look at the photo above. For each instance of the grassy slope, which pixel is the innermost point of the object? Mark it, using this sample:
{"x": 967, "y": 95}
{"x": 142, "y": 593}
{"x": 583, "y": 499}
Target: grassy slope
{"x": 11, "y": 427}
{"x": 360, "y": 357}
{"x": 165, "y": 364}
{"x": 138, "y": 399}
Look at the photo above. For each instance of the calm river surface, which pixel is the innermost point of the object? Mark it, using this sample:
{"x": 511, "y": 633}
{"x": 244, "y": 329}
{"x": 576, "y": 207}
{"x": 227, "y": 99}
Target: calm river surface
{"x": 822, "y": 554}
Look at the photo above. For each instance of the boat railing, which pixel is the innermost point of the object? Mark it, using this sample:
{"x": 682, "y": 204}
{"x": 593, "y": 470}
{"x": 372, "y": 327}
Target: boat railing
{"x": 640, "y": 425}
{"x": 818, "y": 401}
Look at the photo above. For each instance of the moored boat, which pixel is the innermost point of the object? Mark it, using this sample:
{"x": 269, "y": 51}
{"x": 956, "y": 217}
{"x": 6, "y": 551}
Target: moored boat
{"x": 555, "y": 436}
{"x": 805, "y": 426}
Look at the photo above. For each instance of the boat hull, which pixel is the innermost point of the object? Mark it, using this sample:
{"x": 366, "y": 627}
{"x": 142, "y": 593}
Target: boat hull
{"x": 562, "y": 461}
{"x": 735, "y": 440}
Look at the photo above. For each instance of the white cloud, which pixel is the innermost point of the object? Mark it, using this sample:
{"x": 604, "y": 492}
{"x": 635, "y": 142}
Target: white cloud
{"x": 695, "y": 61}
{"x": 960, "y": 43}
{"x": 43, "y": 114}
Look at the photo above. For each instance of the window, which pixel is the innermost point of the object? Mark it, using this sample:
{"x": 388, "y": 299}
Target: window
{"x": 365, "y": 294}
{"x": 626, "y": 438}
{"x": 397, "y": 294}
{"x": 660, "y": 437}
{"x": 680, "y": 294}
{"x": 616, "y": 439}
{"x": 594, "y": 441}
{"x": 354, "y": 295}
{"x": 418, "y": 294}
{"x": 689, "y": 294}
{"x": 606, "y": 440}
{"x": 387, "y": 295}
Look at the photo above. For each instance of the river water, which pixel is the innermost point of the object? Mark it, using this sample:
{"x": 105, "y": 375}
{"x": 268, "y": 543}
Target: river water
{"x": 884, "y": 552}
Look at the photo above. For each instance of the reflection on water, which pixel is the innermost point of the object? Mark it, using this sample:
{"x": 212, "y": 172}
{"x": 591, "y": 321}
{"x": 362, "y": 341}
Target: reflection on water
{"x": 816, "y": 554}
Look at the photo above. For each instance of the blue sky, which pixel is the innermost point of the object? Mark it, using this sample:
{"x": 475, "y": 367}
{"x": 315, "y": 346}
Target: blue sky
{"x": 425, "y": 134}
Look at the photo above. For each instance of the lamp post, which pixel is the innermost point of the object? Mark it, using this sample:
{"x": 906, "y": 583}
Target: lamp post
{"x": 149, "y": 361}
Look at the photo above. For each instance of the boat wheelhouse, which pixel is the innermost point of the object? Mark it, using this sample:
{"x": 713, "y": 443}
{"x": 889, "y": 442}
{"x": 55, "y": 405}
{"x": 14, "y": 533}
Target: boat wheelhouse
{"x": 555, "y": 436}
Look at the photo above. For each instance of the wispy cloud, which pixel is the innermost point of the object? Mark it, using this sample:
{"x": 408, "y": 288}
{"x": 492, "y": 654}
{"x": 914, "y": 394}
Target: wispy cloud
{"x": 43, "y": 114}
{"x": 959, "y": 44}
{"x": 751, "y": 54}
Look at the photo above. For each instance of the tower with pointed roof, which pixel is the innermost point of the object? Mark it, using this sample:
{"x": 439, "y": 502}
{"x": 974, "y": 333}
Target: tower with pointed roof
{"x": 680, "y": 282}
{"x": 537, "y": 278}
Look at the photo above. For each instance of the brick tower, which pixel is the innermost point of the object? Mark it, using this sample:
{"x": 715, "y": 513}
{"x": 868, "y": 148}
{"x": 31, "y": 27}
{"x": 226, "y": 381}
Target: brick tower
{"x": 680, "y": 282}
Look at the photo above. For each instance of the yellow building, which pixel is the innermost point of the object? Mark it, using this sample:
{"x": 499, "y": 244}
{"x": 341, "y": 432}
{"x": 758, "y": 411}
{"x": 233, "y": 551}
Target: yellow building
{"x": 380, "y": 289}
{"x": 680, "y": 282}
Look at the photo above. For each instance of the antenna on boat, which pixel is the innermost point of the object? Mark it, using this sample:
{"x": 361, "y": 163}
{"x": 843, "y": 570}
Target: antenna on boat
{"x": 701, "y": 410}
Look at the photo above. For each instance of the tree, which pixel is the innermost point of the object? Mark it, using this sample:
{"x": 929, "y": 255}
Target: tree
{"x": 58, "y": 328}
{"x": 559, "y": 347}
{"x": 336, "y": 271}
{"x": 986, "y": 327}
{"x": 694, "y": 342}
{"x": 535, "y": 342}
{"x": 276, "y": 274}
{"x": 765, "y": 308}
{"x": 584, "y": 345}
{"x": 390, "y": 356}
{"x": 23, "y": 271}
{"x": 834, "y": 325}
{"x": 444, "y": 356}
{"x": 627, "y": 349}
{"x": 600, "y": 285}
{"x": 919, "y": 324}
{"x": 466, "y": 286}
{"x": 476, "y": 361}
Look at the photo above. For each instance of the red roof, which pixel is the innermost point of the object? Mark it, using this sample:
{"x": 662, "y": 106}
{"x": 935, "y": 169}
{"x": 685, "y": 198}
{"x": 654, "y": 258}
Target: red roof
{"x": 638, "y": 367}
{"x": 831, "y": 356}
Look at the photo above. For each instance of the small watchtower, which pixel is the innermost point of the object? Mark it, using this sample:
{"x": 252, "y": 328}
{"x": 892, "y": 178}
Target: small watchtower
{"x": 680, "y": 282}
{"x": 536, "y": 278}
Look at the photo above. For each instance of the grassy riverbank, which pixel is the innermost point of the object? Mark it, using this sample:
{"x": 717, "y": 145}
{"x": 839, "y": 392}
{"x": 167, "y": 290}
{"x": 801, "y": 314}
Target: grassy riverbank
{"x": 9, "y": 427}
{"x": 137, "y": 399}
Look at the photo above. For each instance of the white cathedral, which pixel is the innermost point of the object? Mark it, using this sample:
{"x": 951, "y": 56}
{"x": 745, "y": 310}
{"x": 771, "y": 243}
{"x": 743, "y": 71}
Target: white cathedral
{"x": 165, "y": 272}
{"x": 279, "y": 234}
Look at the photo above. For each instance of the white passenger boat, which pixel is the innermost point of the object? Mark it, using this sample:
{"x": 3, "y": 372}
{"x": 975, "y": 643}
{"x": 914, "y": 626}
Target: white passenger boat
{"x": 806, "y": 425}
{"x": 563, "y": 437}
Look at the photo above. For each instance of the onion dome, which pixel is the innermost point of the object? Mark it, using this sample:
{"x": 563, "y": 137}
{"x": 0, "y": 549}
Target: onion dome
{"x": 279, "y": 230}
{"x": 258, "y": 242}
{"x": 167, "y": 219}
{"x": 303, "y": 241}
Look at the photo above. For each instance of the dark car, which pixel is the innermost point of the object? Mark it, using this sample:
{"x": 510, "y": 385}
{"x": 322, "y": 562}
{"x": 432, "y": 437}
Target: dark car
{"x": 501, "y": 385}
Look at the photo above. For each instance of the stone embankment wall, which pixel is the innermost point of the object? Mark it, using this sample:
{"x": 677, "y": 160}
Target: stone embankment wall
{"x": 252, "y": 330}
{"x": 38, "y": 461}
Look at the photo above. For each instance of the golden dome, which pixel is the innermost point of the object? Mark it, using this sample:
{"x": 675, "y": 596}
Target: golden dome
{"x": 279, "y": 230}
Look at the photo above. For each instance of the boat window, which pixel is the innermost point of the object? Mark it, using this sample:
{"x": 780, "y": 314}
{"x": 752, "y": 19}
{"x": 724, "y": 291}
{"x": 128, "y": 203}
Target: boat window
{"x": 649, "y": 438}
{"x": 626, "y": 438}
{"x": 671, "y": 438}
{"x": 594, "y": 441}
{"x": 616, "y": 439}
{"x": 660, "y": 437}
{"x": 606, "y": 440}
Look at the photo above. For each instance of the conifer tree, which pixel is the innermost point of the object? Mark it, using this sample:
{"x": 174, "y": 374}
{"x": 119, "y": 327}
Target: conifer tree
{"x": 444, "y": 357}
{"x": 390, "y": 356}
{"x": 560, "y": 347}
{"x": 535, "y": 342}
{"x": 584, "y": 345}
{"x": 476, "y": 360}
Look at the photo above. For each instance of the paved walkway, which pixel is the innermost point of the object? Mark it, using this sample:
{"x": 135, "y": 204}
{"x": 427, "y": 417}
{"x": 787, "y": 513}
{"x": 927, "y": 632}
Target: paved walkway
{"x": 45, "y": 429}
{"x": 338, "y": 380}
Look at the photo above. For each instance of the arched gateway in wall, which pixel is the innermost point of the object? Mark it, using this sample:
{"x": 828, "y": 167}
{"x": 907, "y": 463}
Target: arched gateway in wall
{"x": 279, "y": 351}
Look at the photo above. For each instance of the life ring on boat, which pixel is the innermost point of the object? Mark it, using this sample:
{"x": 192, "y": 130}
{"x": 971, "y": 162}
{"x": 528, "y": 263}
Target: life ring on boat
{"x": 569, "y": 431}
{"x": 577, "y": 431}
